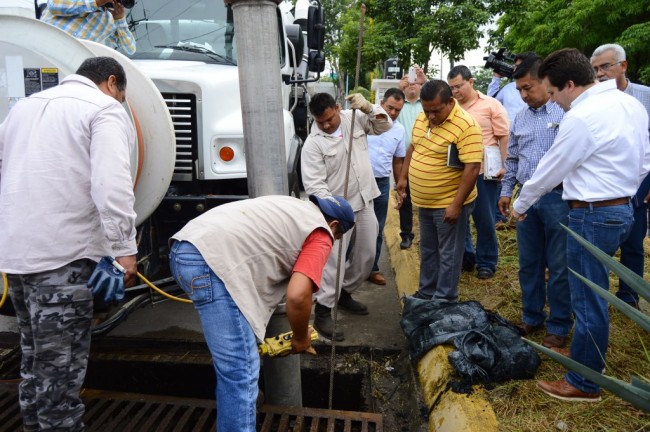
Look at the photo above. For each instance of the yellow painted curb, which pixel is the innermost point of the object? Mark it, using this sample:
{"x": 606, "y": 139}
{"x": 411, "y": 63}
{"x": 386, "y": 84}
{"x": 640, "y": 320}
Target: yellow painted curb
{"x": 451, "y": 411}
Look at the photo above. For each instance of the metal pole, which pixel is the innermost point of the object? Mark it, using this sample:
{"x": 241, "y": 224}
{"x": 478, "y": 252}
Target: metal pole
{"x": 345, "y": 195}
{"x": 256, "y": 30}
{"x": 260, "y": 87}
{"x": 282, "y": 382}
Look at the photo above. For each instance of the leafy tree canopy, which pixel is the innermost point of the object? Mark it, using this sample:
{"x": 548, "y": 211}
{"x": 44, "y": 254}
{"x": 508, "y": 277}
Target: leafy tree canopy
{"x": 544, "y": 26}
{"x": 408, "y": 29}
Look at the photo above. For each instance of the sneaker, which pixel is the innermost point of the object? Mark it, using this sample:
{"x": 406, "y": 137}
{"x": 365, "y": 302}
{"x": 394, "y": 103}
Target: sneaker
{"x": 324, "y": 324}
{"x": 484, "y": 273}
{"x": 377, "y": 278}
{"x": 406, "y": 242}
{"x": 563, "y": 390}
{"x": 346, "y": 302}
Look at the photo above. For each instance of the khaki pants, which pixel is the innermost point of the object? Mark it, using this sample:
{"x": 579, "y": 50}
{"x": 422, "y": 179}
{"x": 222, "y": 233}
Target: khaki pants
{"x": 362, "y": 243}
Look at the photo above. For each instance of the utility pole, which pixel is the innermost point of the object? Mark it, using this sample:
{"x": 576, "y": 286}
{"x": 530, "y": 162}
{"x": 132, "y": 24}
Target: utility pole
{"x": 256, "y": 30}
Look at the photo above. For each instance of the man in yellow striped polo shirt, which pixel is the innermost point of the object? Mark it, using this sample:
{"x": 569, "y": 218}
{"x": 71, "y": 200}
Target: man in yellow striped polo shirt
{"x": 443, "y": 186}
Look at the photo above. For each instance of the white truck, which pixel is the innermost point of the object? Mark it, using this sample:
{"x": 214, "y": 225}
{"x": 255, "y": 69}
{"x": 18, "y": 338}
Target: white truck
{"x": 188, "y": 48}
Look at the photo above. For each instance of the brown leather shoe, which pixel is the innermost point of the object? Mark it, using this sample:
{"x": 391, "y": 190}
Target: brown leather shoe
{"x": 565, "y": 391}
{"x": 527, "y": 329}
{"x": 566, "y": 352}
{"x": 377, "y": 278}
{"x": 554, "y": 341}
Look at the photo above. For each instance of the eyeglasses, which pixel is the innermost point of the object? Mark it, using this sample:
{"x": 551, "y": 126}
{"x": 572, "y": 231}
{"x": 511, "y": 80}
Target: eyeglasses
{"x": 605, "y": 66}
{"x": 457, "y": 87}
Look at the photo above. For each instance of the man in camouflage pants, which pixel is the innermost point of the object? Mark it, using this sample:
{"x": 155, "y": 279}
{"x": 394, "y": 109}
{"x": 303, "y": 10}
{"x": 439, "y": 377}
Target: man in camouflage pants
{"x": 66, "y": 200}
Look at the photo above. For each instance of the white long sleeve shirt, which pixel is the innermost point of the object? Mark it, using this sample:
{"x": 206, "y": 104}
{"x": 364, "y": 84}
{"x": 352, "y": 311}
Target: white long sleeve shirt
{"x": 601, "y": 151}
{"x": 66, "y": 188}
{"x": 324, "y": 158}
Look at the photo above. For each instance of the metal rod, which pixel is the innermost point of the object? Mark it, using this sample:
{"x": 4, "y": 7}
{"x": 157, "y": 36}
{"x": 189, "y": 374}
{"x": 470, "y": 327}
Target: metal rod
{"x": 345, "y": 195}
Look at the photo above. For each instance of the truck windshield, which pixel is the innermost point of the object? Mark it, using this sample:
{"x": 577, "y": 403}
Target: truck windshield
{"x": 198, "y": 30}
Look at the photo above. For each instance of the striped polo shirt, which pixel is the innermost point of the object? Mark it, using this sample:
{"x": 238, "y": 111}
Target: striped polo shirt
{"x": 83, "y": 19}
{"x": 433, "y": 184}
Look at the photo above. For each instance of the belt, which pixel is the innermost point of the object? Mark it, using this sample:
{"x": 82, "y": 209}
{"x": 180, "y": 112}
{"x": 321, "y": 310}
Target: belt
{"x": 558, "y": 187}
{"x": 605, "y": 203}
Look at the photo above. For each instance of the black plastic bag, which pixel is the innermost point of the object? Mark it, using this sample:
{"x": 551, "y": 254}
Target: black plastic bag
{"x": 488, "y": 347}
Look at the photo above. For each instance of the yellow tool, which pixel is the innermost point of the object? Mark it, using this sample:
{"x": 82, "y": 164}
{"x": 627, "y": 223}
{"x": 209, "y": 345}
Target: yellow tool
{"x": 280, "y": 345}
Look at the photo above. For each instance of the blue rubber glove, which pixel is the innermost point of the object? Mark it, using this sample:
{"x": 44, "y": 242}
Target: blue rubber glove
{"x": 109, "y": 279}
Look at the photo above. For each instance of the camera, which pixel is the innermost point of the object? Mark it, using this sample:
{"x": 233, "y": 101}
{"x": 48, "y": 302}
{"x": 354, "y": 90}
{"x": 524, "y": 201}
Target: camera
{"x": 126, "y": 3}
{"x": 502, "y": 62}
{"x": 412, "y": 74}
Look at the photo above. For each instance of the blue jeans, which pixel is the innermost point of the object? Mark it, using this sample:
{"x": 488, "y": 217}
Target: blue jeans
{"x": 605, "y": 227}
{"x": 542, "y": 243}
{"x": 228, "y": 334}
{"x": 487, "y": 250}
{"x": 381, "y": 210}
{"x": 632, "y": 253}
{"x": 441, "y": 252}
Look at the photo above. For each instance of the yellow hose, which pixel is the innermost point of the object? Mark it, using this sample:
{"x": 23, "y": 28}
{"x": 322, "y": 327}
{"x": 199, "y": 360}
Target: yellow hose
{"x": 158, "y": 290}
{"x": 5, "y": 290}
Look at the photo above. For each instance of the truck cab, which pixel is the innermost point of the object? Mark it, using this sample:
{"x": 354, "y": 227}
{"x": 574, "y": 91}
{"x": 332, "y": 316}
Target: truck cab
{"x": 189, "y": 50}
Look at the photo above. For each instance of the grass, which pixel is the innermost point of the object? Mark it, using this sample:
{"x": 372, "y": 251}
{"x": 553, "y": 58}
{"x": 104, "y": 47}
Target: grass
{"x": 519, "y": 406}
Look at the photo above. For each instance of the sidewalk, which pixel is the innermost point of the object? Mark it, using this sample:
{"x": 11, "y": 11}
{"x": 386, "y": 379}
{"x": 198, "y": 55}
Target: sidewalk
{"x": 378, "y": 330}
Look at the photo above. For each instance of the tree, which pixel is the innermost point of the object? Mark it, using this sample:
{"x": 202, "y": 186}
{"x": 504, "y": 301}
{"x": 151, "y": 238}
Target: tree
{"x": 544, "y": 26}
{"x": 410, "y": 29}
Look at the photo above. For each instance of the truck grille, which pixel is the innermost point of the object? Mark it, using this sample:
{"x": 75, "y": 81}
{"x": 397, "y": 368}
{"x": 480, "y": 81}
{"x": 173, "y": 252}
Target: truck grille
{"x": 182, "y": 108}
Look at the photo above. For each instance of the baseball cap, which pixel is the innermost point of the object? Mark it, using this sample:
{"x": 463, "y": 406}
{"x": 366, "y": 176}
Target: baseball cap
{"x": 335, "y": 207}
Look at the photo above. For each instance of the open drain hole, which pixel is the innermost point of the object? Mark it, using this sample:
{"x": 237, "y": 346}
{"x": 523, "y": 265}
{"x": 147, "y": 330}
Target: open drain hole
{"x": 193, "y": 380}
{"x": 181, "y": 375}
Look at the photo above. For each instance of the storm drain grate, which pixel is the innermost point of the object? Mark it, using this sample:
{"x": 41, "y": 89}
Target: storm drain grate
{"x": 291, "y": 419}
{"x": 111, "y": 412}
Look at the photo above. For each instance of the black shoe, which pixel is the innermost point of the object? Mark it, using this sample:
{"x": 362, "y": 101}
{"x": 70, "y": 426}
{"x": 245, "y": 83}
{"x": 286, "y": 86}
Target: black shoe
{"x": 421, "y": 296}
{"x": 406, "y": 242}
{"x": 324, "y": 324}
{"x": 346, "y": 302}
{"x": 484, "y": 273}
{"x": 469, "y": 262}
{"x": 633, "y": 304}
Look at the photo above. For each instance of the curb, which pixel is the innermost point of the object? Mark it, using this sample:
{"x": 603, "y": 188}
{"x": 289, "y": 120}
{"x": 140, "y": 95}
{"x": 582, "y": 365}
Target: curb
{"x": 448, "y": 411}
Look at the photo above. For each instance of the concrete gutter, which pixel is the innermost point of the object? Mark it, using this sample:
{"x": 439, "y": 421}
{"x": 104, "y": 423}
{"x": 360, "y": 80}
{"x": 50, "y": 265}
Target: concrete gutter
{"x": 448, "y": 411}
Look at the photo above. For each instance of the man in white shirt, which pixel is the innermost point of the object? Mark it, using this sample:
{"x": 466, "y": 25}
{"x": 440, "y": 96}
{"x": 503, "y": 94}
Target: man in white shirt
{"x": 609, "y": 62}
{"x": 601, "y": 154}
{"x": 66, "y": 200}
{"x": 324, "y": 162}
{"x": 387, "y": 153}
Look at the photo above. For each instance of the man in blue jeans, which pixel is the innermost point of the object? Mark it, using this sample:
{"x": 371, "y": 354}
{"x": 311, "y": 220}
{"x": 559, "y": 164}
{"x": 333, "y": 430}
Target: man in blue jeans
{"x": 600, "y": 155}
{"x": 387, "y": 153}
{"x": 609, "y": 62}
{"x": 493, "y": 119}
{"x": 541, "y": 239}
{"x": 236, "y": 262}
